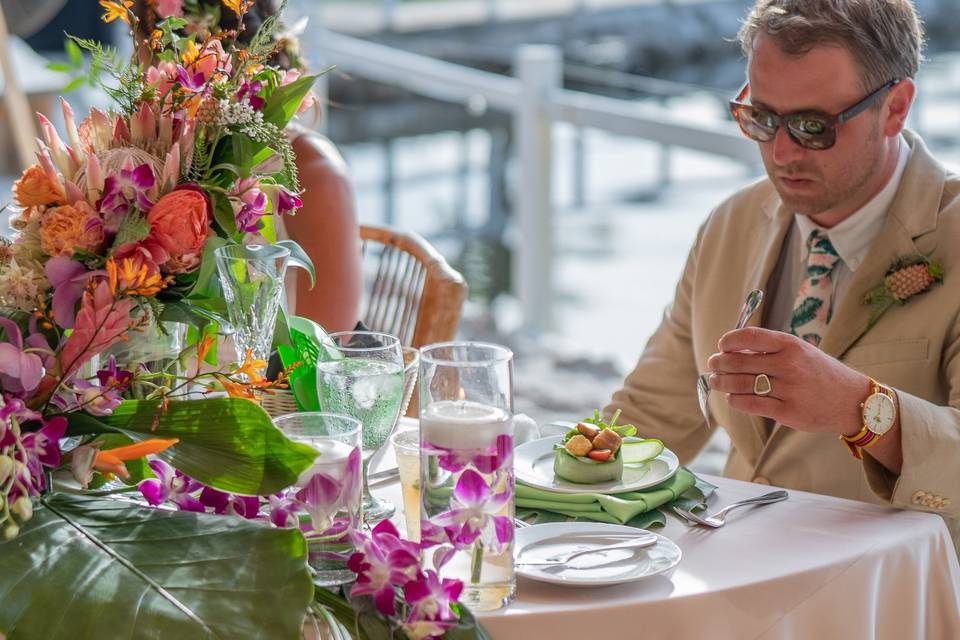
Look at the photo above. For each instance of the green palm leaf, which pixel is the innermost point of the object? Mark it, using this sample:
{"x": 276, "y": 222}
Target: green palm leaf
{"x": 95, "y": 568}
{"x": 226, "y": 443}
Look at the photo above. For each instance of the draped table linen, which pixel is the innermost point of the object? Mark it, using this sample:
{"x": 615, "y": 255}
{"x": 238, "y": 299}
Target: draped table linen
{"x": 813, "y": 566}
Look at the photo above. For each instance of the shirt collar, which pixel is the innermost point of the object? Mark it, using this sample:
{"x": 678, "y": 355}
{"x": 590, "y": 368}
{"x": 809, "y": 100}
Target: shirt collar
{"x": 852, "y": 237}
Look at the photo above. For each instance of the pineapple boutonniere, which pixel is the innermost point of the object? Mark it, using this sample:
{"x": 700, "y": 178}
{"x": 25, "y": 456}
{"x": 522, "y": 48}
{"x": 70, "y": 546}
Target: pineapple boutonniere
{"x": 904, "y": 279}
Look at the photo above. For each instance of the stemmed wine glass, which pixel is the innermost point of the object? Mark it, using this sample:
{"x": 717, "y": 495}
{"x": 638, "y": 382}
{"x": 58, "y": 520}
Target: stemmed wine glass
{"x": 360, "y": 374}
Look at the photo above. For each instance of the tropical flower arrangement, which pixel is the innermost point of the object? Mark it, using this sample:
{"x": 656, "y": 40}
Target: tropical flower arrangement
{"x": 116, "y": 477}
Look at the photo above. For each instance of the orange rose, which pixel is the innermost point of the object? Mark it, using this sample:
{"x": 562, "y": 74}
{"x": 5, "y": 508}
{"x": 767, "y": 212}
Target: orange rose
{"x": 180, "y": 226}
{"x": 35, "y": 189}
{"x": 69, "y": 228}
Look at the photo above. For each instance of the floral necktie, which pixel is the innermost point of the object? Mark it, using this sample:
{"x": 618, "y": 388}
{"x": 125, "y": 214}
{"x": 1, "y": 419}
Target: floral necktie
{"x": 813, "y": 306}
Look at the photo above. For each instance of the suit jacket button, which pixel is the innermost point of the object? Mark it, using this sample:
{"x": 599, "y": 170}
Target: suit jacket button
{"x": 918, "y": 497}
{"x": 761, "y": 480}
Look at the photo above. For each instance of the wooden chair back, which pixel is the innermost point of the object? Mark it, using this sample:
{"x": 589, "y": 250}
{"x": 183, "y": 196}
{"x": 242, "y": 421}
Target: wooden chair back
{"x": 410, "y": 290}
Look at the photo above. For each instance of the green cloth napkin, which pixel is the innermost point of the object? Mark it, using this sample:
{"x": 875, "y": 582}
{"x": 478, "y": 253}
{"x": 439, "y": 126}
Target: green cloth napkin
{"x": 622, "y": 508}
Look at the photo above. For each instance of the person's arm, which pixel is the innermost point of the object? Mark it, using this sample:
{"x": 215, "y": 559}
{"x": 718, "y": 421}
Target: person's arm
{"x": 659, "y": 395}
{"x": 326, "y": 228}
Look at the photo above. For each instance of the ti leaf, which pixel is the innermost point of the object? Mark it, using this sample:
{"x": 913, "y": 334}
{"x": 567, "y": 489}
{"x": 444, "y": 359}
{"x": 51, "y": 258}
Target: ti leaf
{"x": 87, "y": 567}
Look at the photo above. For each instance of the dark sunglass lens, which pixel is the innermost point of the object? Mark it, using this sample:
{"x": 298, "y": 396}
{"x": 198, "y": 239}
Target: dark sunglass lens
{"x": 812, "y": 132}
{"x": 758, "y": 124}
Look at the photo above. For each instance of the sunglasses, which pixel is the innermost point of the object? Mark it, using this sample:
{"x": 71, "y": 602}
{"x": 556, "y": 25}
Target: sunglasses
{"x": 809, "y": 129}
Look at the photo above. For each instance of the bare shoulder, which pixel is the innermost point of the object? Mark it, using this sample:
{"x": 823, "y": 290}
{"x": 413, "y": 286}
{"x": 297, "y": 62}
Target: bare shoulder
{"x": 317, "y": 156}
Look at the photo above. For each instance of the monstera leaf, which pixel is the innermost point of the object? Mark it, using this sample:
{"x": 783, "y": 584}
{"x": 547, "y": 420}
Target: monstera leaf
{"x": 226, "y": 443}
{"x": 96, "y": 568}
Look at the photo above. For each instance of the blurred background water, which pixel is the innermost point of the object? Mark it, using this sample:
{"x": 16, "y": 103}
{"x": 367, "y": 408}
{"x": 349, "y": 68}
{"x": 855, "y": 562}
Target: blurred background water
{"x": 625, "y": 209}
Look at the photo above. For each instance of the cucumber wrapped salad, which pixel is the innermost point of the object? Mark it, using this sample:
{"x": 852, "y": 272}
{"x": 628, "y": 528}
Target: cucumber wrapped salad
{"x": 595, "y": 451}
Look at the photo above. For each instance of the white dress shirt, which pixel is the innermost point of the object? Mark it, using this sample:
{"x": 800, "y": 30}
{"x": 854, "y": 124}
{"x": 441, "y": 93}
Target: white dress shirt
{"x": 851, "y": 238}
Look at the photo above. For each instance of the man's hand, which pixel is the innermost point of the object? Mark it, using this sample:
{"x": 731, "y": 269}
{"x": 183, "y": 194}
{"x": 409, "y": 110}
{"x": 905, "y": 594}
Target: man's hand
{"x": 811, "y": 391}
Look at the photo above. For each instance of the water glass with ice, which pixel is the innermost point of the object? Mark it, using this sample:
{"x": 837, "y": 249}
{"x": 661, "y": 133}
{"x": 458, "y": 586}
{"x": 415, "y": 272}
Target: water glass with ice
{"x": 360, "y": 374}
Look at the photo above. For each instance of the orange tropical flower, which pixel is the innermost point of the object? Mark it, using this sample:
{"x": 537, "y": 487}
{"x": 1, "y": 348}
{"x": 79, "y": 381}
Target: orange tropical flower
{"x": 111, "y": 461}
{"x": 236, "y": 389}
{"x": 115, "y": 9}
{"x": 203, "y": 347}
{"x": 133, "y": 277}
{"x": 239, "y": 7}
{"x": 252, "y": 368}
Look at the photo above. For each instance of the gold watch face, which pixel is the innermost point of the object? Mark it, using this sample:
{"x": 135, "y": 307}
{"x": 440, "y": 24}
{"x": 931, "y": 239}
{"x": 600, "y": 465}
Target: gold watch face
{"x": 879, "y": 413}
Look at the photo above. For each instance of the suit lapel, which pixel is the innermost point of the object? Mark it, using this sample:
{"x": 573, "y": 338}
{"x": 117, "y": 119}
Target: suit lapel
{"x": 912, "y": 214}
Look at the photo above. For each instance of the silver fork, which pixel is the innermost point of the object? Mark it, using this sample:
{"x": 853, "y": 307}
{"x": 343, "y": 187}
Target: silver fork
{"x": 754, "y": 298}
{"x": 717, "y": 520}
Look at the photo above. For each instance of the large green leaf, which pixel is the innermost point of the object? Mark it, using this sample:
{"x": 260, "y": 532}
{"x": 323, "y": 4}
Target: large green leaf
{"x": 98, "y": 568}
{"x": 226, "y": 443}
{"x": 283, "y": 103}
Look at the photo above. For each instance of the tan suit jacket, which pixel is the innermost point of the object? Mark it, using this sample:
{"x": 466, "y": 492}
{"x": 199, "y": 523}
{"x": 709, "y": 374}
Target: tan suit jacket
{"x": 914, "y": 348}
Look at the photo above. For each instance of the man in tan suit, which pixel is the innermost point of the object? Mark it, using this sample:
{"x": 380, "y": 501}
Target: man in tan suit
{"x": 823, "y": 393}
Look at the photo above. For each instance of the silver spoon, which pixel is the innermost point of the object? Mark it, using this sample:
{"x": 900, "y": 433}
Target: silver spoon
{"x": 750, "y": 305}
{"x": 639, "y": 542}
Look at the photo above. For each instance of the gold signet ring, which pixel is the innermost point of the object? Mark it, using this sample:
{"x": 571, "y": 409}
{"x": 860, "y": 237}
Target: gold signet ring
{"x": 761, "y": 385}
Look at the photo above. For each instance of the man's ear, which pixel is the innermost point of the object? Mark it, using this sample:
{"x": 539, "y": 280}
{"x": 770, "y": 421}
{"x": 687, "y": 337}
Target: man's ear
{"x": 898, "y": 106}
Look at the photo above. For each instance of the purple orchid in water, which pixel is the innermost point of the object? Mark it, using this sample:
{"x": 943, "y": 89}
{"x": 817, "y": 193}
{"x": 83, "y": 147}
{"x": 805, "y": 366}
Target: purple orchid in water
{"x": 430, "y": 598}
{"x": 323, "y": 496}
{"x": 20, "y": 372}
{"x": 123, "y": 191}
{"x": 173, "y": 485}
{"x": 476, "y": 517}
{"x": 486, "y": 460}
{"x": 383, "y": 561}
{"x": 283, "y": 508}
{"x": 227, "y": 503}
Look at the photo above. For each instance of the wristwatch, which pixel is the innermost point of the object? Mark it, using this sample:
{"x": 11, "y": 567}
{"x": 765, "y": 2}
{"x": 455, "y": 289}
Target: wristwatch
{"x": 879, "y": 412}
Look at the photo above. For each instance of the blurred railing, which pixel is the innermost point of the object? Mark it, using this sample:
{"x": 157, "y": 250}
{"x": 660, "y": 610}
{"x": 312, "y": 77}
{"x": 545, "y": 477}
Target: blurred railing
{"x": 536, "y": 99}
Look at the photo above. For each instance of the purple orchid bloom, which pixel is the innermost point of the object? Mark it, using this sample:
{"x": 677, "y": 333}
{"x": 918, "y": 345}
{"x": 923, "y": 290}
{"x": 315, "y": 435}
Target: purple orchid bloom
{"x": 249, "y": 91}
{"x": 323, "y": 496}
{"x": 173, "y": 485}
{"x": 476, "y": 517}
{"x": 20, "y": 372}
{"x": 11, "y": 407}
{"x": 68, "y": 279}
{"x": 383, "y": 562}
{"x": 283, "y": 510}
{"x": 42, "y": 449}
{"x": 227, "y": 503}
{"x": 250, "y": 212}
{"x": 193, "y": 83}
{"x": 430, "y": 599}
{"x": 94, "y": 399}
{"x": 125, "y": 190}
{"x": 287, "y": 201}
{"x": 113, "y": 378}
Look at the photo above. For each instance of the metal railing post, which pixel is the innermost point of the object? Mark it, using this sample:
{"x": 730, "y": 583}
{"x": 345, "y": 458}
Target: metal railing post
{"x": 539, "y": 69}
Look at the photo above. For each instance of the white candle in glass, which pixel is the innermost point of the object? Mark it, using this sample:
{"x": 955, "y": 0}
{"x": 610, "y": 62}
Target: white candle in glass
{"x": 331, "y": 459}
{"x": 463, "y": 424}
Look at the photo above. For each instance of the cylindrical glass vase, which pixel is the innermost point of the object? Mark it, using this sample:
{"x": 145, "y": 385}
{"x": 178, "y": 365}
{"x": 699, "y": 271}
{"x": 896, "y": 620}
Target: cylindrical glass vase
{"x": 466, "y": 467}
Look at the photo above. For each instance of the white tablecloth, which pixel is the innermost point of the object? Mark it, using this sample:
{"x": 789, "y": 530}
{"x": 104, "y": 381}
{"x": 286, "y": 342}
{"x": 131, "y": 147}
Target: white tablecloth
{"x": 811, "y": 567}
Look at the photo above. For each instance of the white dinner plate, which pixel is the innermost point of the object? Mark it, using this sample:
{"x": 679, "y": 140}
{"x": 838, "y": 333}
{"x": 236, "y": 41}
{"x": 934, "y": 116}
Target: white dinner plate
{"x": 533, "y": 465}
{"x": 540, "y": 541}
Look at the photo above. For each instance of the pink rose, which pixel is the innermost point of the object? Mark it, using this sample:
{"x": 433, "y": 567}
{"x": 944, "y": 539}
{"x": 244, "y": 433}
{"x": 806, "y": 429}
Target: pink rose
{"x": 179, "y": 228}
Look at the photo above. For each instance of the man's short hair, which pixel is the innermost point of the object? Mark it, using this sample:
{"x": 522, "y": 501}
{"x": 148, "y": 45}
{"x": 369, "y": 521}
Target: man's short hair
{"x": 884, "y": 37}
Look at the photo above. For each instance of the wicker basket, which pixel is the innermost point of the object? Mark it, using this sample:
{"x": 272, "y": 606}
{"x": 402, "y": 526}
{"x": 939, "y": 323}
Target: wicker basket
{"x": 279, "y": 403}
